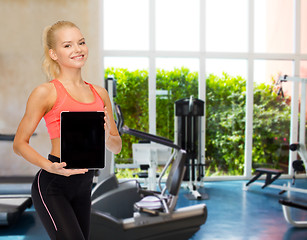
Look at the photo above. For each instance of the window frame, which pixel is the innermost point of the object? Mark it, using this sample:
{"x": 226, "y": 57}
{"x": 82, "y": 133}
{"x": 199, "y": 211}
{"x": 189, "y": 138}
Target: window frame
{"x": 202, "y": 55}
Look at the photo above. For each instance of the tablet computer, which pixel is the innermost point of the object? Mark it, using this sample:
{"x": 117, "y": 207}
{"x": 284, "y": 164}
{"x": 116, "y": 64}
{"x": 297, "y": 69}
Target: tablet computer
{"x": 83, "y": 140}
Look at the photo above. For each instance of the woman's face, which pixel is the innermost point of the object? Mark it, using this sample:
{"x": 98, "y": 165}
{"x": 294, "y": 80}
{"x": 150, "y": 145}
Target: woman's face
{"x": 70, "y": 50}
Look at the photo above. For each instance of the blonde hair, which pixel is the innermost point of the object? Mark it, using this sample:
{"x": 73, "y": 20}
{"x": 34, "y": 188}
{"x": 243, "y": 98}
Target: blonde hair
{"x": 50, "y": 66}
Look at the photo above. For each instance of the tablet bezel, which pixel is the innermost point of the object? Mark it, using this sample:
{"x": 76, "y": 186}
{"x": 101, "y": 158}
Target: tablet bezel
{"x": 74, "y": 118}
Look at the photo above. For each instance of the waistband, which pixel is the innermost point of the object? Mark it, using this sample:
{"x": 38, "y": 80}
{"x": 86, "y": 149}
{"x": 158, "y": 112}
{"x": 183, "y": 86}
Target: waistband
{"x": 53, "y": 158}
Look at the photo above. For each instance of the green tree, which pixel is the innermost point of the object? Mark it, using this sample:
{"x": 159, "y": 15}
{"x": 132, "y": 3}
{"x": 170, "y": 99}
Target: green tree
{"x": 271, "y": 127}
{"x": 225, "y": 124}
{"x": 179, "y": 83}
{"x": 225, "y": 115}
{"x": 132, "y": 96}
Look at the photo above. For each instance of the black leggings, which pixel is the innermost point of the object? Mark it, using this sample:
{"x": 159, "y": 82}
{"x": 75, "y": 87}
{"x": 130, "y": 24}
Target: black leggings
{"x": 63, "y": 203}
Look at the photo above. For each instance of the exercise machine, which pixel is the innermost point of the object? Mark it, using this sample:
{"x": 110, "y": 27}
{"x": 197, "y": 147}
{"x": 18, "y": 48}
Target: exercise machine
{"x": 13, "y": 202}
{"x": 286, "y": 207}
{"x": 152, "y": 160}
{"x": 147, "y": 156}
{"x": 274, "y": 174}
{"x": 188, "y": 135}
{"x": 295, "y": 166}
{"x": 126, "y": 211}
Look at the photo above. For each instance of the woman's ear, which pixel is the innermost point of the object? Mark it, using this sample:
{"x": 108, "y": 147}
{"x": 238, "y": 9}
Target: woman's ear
{"x": 52, "y": 54}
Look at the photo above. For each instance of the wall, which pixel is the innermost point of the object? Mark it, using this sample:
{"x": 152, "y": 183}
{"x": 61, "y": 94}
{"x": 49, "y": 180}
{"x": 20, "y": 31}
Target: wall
{"x": 21, "y": 51}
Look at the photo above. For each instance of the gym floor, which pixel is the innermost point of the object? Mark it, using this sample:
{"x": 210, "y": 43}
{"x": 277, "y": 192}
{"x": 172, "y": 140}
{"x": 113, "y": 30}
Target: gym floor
{"x": 233, "y": 214}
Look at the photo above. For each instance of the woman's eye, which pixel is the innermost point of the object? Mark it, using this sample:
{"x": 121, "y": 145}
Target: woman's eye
{"x": 67, "y": 46}
{"x": 82, "y": 43}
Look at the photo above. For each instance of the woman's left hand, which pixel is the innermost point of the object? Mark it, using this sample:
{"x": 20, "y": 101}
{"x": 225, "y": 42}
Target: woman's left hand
{"x": 107, "y": 126}
{"x": 112, "y": 140}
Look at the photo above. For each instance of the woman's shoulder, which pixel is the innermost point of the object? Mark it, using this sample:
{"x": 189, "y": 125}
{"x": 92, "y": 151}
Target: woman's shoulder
{"x": 44, "y": 94}
{"x": 44, "y": 89}
{"x": 41, "y": 98}
{"x": 100, "y": 90}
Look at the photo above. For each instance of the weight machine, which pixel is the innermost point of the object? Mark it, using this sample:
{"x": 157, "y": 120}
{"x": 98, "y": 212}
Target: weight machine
{"x": 297, "y": 147}
{"x": 13, "y": 201}
{"x": 189, "y": 136}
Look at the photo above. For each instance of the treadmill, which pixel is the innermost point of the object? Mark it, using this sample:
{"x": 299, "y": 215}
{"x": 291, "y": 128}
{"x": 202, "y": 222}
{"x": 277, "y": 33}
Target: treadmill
{"x": 13, "y": 202}
{"x": 127, "y": 211}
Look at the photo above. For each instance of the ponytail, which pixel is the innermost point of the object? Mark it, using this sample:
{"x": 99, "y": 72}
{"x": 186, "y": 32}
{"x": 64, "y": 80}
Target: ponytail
{"x": 50, "y": 67}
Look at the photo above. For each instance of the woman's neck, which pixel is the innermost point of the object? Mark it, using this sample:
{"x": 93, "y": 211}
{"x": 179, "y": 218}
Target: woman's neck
{"x": 71, "y": 77}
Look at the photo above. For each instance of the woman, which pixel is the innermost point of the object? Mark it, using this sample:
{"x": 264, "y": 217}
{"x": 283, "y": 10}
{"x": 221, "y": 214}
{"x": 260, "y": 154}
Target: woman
{"x": 62, "y": 197}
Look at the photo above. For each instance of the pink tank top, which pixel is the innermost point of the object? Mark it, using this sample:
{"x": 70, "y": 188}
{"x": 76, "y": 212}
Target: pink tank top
{"x": 65, "y": 102}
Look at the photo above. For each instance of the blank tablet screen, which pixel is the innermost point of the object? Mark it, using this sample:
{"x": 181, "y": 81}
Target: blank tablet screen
{"x": 83, "y": 139}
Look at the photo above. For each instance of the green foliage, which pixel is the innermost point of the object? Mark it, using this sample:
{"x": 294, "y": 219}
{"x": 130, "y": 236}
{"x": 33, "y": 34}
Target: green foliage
{"x": 132, "y": 96}
{"x": 225, "y": 116}
{"x": 271, "y": 127}
{"x": 225, "y": 124}
{"x": 180, "y": 83}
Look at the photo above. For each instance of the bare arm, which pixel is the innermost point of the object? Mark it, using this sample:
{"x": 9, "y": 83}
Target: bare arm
{"x": 39, "y": 102}
{"x": 113, "y": 139}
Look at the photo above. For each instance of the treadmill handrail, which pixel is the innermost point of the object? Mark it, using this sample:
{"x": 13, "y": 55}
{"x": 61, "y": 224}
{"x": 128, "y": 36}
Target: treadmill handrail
{"x": 122, "y": 128}
{"x": 7, "y": 137}
{"x": 10, "y": 137}
{"x": 150, "y": 137}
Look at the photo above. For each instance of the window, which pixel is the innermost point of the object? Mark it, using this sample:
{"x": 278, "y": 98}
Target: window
{"x": 226, "y": 25}
{"x": 303, "y": 29}
{"x": 173, "y": 87}
{"x": 177, "y": 25}
{"x": 233, "y": 67}
{"x": 274, "y": 26}
{"x": 303, "y": 69}
{"x": 125, "y": 25}
{"x": 131, "y": 96}
{"x": 221, "y": 44}
{"x": 130, "y": 63}
{"x": 272, "y": 112}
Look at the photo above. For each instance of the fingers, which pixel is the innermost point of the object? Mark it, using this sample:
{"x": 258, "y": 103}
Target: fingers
{"x": 106, "y": 116}
{"x": 106, "y": 120}
{"x": 76, "y": 171}
{"x": 62, "y": 164}
{"x": 105, "y": 113}
{"x": 59, "y": 168}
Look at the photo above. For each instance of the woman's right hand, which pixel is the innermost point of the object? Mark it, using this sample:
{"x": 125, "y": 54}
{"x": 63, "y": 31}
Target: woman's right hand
{"x": 59, "y": 168}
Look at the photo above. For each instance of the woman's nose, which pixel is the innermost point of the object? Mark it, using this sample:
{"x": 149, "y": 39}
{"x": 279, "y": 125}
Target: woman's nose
{"x": 77, "y": 48}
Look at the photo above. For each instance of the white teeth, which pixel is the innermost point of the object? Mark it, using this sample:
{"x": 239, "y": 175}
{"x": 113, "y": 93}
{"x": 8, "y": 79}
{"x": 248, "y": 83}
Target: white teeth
{"x": 78, "y": 57}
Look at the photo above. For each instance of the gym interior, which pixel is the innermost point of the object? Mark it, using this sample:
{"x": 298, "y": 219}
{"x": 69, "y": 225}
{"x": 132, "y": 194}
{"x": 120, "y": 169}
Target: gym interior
{"x": 209, "y": 97}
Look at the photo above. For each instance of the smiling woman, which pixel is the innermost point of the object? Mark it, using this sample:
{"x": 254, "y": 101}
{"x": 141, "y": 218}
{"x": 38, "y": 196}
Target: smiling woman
{"x": 68, "y": 41}
{"x": 71, "y": 53}
{"x": 62, "y": 196}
